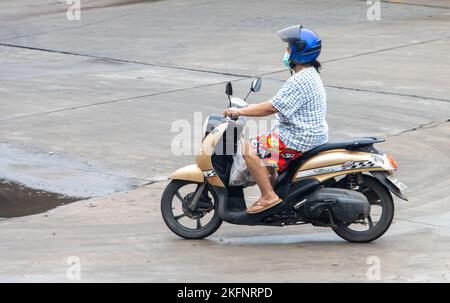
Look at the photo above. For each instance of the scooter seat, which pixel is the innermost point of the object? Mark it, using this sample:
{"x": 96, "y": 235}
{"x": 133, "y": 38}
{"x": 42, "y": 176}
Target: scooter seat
{"x": 349, "y": 145}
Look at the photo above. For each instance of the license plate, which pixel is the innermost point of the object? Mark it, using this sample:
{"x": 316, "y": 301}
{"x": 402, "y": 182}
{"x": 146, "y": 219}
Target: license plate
{"x": 397, "y": 183}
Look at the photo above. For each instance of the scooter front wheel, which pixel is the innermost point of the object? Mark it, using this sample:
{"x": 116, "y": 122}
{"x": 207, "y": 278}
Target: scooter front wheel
{"x": 184, "y": 220}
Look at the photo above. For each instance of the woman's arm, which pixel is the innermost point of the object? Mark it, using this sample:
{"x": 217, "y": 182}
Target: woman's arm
{"x": 255, "y": 110}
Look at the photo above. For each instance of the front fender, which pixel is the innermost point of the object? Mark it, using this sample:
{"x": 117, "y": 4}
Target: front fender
{"x": 188, "y": 173}
{"x": 381, "y": 176}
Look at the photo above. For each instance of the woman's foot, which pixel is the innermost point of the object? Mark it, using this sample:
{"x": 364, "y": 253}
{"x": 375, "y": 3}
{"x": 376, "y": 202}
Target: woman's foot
{"x": 263, "y": 204}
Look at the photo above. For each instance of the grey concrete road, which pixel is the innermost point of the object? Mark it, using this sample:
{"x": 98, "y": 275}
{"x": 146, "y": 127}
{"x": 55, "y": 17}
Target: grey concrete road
{"x": 87, "y": 109}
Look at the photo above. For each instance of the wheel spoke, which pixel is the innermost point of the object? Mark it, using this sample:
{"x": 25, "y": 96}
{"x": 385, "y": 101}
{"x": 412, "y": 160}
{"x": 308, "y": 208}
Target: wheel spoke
{"x": 179, "y": 217}
{"x": 369, "y": 219}
{"x": 194, "y": 216}
{"x": 177, "y": 193}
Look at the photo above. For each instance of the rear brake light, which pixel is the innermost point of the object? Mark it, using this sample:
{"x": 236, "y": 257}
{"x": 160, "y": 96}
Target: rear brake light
{"x": 392, "y": 161}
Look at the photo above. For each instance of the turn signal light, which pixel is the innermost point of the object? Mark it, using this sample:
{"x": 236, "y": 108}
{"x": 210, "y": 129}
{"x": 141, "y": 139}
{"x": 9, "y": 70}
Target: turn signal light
{"x": 392, "y": 161}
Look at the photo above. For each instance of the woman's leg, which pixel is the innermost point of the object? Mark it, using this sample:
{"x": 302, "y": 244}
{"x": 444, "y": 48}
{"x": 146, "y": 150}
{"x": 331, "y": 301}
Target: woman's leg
{"x": 273, "y": 175}
{"x": 260, "y": 173}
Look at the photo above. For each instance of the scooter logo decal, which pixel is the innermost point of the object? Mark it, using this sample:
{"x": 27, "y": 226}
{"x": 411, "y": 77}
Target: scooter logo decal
{"x": 324, "y": 170}
{"x": 378, "y": 159}
{"x": 348, "y": 165}
{"x": 362, "y": 164}
{"x": 320, "y": 171}
{"x": 209, "y": 173}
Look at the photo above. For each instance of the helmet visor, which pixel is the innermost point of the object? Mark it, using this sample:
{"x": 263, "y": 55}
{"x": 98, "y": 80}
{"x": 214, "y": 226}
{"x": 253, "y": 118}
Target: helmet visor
{"x": 290, "y": 34}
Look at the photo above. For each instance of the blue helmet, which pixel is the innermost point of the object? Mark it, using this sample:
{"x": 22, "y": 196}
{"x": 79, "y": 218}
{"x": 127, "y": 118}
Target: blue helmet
{"x": 304, "y": 44}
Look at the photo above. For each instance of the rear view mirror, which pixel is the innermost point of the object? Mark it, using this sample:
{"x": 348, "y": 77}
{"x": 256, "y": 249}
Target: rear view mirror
{"x": 256, "y": 85}
{"x": 229, "y": 89}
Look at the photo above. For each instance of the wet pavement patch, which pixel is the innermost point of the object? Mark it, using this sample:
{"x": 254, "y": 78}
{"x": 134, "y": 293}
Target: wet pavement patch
{"x": 18, "y": 200}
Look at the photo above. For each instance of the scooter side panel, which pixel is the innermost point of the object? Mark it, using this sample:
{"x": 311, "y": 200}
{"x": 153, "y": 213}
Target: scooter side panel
{"x": 206, "y": 151}
{"x": 330, "y": 164}
{"x": 324, "y": 177}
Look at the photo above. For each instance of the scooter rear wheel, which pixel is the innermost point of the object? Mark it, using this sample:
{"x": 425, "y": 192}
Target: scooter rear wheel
{"x": 379, "y": 197}
{"x": 181, "y": 220}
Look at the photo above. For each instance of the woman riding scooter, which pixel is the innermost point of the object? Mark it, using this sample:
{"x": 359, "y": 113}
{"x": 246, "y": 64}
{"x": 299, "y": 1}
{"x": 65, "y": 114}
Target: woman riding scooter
{"x": 300, "y": 124}
{"x": 344, "y": 185}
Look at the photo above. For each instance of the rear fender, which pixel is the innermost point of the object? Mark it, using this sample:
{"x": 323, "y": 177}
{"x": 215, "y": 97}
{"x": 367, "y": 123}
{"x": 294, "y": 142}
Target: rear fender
{"x": 381, "y": 176}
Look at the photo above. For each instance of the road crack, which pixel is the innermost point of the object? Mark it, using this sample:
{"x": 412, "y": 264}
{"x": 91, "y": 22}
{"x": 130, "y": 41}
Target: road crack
{"x": 116, "y": 100}
{"x": 123, "y": 60}
{"x": 414, "y": 4}
{"x": 428, "y": 125}
{"x": 387, "y": 93}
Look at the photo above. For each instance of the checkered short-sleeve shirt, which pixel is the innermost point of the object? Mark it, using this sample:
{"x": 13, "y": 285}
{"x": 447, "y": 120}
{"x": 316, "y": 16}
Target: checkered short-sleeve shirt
{"x": 301, "y": 105}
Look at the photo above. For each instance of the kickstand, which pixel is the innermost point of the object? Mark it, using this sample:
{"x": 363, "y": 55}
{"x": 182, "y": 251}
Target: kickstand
{"x": 331, "y": 219}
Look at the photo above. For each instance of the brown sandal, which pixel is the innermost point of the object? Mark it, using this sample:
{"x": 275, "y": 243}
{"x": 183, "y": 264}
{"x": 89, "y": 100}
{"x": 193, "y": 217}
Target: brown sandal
{"x": 258, "y": 207}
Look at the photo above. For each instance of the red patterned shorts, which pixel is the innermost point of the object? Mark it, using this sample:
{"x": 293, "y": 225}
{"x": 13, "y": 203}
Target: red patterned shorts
{"x": 271, "y": 149}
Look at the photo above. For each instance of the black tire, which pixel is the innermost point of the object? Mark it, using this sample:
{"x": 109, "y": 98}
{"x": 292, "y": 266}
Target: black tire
{"x": 173, "y": 224}
{"x": 387, "y": 204}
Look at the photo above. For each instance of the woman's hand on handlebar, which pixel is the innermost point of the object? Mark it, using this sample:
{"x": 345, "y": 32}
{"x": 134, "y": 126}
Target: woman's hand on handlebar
{"x": 232, "y": 112}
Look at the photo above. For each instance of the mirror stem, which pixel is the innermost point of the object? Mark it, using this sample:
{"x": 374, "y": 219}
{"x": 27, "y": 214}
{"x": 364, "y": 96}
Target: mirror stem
{"x": 249, "y": 92}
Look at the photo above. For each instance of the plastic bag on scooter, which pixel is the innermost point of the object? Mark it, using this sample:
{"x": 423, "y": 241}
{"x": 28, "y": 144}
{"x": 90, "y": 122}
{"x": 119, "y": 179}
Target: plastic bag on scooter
{"x": 239, "y": 175}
